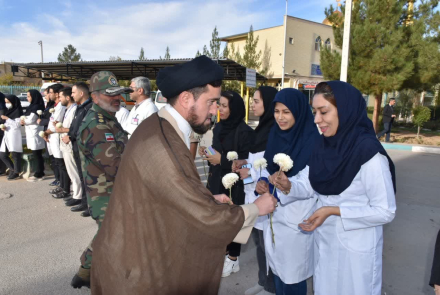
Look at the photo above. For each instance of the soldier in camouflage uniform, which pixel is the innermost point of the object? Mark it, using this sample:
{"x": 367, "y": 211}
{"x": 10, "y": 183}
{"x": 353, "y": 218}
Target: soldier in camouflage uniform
{"x": 101, "y": 141}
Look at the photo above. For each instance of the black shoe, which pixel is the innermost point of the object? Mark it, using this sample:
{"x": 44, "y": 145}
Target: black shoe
{"x": 79, "y": 280}
{"x": 67, "y": 198}
{"x": 56, "y": 190}
{"x": 3, "y": 173}
{"x": 55, "y": 183}
{"x": 85, "y": 213}
{"x": 80, "y": 207}
{"x": 13, "y": 176}
{"x": 60, "y": 195}
{"x": 73, "y": 202}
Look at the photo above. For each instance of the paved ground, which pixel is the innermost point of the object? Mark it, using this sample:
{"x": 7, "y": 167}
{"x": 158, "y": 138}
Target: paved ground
{"x": 41, "y": 240}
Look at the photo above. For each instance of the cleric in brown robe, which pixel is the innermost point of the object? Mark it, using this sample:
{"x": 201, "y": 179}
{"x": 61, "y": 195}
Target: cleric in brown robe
{"x": 164, "y": 232}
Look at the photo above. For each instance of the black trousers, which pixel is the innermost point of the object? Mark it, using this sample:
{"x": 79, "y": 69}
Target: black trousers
{"x": 13, "y": 166}
{"x": 64, "y": 176}
{"x": 234, "y": 249}
{"x": 39, "y": 171}
{"x": 78, "y": 165}
{"x": 54, "y": 165}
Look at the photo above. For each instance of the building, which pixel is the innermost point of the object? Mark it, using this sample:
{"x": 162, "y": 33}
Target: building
{"x": 304, "y": 40}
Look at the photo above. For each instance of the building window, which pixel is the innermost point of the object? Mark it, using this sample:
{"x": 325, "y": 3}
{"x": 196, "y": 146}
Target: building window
{"x": 318, "y": 44}
{"x": 291, "y": 41}
{"x": 328, "y": 45}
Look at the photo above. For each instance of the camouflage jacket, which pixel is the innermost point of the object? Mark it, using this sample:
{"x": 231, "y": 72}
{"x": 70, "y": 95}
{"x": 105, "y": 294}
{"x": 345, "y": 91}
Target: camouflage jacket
{"x": 101, "y": 141}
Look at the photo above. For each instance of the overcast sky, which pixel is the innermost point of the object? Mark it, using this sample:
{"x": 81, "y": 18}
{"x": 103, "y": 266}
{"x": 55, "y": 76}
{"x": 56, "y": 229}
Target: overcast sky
{"x": 101, "y": 29}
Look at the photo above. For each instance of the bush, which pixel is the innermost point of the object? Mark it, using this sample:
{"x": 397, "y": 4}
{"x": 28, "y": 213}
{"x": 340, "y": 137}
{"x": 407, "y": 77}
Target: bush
{"x": 421, "y": 116}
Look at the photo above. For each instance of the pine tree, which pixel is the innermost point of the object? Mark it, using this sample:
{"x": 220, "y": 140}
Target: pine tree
{"x": 206, "y": 52}
{"x": 214, "y": 44}
{"x": 251, "y": 58}
{"x": 198, "y": 53}
{"x": 225, "y": 51}
{"x": 167, "y": 53}
{"x": 142, "y": 54}
{"x": 380, "y": 59}
{"x": 265, "y": 61}
{"x": 69, "y": 54}
{"x": 115, "y": 58}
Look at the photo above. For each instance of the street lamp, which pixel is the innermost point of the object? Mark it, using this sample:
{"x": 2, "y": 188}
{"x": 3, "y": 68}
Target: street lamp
{"x": 41, "y": 45}
{"x": 346, "y": 41}
{"x": 284, "y": 50}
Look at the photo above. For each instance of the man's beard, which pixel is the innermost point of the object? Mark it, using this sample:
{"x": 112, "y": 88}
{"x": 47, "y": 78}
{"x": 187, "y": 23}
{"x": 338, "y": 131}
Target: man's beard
{"x": 199, "y": 128}
{"x": 108, "y": 107}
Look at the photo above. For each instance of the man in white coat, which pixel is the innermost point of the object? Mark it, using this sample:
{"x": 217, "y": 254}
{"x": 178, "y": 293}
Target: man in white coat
{"x": 144, "y": 106}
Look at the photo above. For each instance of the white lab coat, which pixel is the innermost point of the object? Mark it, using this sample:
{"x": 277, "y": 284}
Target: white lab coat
{"x": 249, "y": 189}
{"x": 138, "y": 114}
{"x": 122, "y": 115}
{"x": 348, "y": 248}
{"x": 291, "y": 258}
{"x": 54, "y": 138}
{"x": 69, "y": 114}
{"x": 33, "y": 140}
{"x": 12, "y": 138}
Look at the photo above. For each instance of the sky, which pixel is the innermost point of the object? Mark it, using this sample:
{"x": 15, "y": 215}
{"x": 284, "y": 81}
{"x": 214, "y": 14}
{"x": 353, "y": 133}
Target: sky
{"x": 100, "y": 29}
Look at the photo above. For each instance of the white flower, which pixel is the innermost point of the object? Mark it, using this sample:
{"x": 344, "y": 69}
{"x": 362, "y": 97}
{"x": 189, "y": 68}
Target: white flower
{"x": 59, "y": 125}
{"x": 41, "y": 133}
{"x": 284, "y": 161}
{"x": 260, "y": 164}
{"x": 231, "y": 156}
{"x": 52, "y": 110}
{"x": 2, "y": 126}
{"x": 40, "y": 112}
{"x": 23, "y": 118}
{"x": 229, "y": 180}
{"x": 197, "y": 136}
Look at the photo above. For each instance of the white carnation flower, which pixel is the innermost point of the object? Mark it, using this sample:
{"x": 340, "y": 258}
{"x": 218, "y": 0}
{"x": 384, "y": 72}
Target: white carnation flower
{"x": 59, "y": 125}
{"x": 231, "y": 156}
{"x": 41, "y": 133}
{"x": 284, "y": 161}
{"x": 52, "y": 110}
{"x": 39, "y": 112}
{"x": 2, "y": 126}
{"x": 23, "y": 118}
{"x": 260, "y": 164}
{"x": 229, "y": 180}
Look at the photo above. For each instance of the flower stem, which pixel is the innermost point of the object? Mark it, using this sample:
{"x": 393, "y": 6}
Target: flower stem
{"x": 271, "y": 214}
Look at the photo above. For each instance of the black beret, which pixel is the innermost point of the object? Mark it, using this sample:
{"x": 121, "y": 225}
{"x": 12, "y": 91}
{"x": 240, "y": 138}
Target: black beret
{"x": 198, "y": 72}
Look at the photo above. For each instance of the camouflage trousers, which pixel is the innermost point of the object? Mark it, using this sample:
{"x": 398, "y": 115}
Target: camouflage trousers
{"x": 97, "y": 208}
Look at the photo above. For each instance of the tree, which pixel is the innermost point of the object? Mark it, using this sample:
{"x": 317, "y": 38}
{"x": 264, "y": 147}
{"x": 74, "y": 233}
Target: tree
{"x": 405, "y": 101}
{"x": 198, "y": 53}
{"x": 251, "y": 58}
{"x": 7, "y": 79}
{"x": 167, "y": 53}
{"x": 265, "y": 61}
{"x": 115, "y": 58}
{"x": 380, "y": 59}
{"x": 69, "y": 54}
{"x": 142, "y": 54}
{"x": 225, "y": 51}
{"x": 206, "y": 52}
{"x": 214, "y": 44}
{"x": 421, "y": 116}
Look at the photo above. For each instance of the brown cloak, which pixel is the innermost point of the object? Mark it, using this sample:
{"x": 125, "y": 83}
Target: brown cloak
{"x": 163, "y": 232}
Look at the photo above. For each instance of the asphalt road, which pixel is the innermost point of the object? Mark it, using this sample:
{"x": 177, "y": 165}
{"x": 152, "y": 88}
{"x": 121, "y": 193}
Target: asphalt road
{"x": 41, "y": 240}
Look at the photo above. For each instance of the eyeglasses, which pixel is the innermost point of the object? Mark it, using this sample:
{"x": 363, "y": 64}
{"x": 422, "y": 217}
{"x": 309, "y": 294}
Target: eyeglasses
{"x": 134, "y": 88}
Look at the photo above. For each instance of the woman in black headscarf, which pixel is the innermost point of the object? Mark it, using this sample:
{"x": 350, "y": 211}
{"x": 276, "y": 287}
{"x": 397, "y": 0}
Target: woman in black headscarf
{"x": 12, "y": 142}
{"x": 3, "y": 110}
{"x": 33, "y": 140}
{"x": 263, "y": 109}
{"x": 230, "y": 134}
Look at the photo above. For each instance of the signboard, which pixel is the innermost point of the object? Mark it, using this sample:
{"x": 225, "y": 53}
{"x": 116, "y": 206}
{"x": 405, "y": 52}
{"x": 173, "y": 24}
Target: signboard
{"x": 316, "y": 70}
{"x": 251, "y": 78}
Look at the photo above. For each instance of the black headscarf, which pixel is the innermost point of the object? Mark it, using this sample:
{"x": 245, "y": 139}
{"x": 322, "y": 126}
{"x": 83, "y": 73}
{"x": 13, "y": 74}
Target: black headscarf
{"x": 37, "y": 103}
{"x": 2, "y": 102}
{"x": 237, "y": 113}
{"x": 266, "y": 121}
{"x": 16, "y": 110}
{"x": 337, "y": 159}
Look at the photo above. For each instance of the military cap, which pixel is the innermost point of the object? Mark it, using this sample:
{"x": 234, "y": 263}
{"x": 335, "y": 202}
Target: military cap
{"x": 198, "y": 72}
{"x": 105, "y": 80}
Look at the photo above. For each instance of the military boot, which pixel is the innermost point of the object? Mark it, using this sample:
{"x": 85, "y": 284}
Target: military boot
{"x": 81, "y": 278}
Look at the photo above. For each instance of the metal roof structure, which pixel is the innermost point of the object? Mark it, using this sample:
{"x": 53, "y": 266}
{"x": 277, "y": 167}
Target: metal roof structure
{"x": 123, "y": 70}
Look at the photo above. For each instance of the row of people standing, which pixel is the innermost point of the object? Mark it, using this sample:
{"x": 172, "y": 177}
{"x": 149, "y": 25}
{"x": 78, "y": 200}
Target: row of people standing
{"x": 332, "y": 204}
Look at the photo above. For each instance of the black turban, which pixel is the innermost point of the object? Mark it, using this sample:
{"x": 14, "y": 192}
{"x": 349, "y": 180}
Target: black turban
{"x": 200, "y": 71}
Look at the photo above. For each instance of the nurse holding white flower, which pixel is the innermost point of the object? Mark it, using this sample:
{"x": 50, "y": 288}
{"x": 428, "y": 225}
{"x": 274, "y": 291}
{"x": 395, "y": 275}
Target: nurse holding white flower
{"x": 290, "y": 143}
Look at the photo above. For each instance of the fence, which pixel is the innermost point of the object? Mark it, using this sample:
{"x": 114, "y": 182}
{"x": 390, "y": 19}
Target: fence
{"x": 6, "y": 89}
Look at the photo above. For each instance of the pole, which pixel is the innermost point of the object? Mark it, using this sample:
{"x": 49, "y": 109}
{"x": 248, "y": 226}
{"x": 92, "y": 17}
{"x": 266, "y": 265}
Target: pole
{"x": 247, "y": 104}
{"x": 42, "y": 61}
{"x": 346, "y": 41}
{"x": 284, "y": 50}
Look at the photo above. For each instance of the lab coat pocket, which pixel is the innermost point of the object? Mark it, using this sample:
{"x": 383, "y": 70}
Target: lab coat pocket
{"x": 296, "y": 212}
{"x": 359, "y": 240}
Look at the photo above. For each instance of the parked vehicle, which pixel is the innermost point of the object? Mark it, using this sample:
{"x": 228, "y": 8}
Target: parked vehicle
{"x": 160, "y": 101}
{"x": 23, "y": 100}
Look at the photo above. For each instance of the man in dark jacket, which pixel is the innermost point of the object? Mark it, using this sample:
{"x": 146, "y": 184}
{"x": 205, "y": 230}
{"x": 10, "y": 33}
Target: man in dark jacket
{"x": 81, "y": 95}
{"x": 388, "y": 118}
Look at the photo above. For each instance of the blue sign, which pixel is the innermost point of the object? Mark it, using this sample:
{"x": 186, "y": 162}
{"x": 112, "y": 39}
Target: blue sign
{"x": 316, "y": 70}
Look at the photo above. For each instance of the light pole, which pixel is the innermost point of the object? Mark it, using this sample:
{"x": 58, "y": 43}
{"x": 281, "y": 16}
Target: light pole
{"x": 346, "y": 41}
{"x": 284, "y": 50}
{"x": 41, "y": 45}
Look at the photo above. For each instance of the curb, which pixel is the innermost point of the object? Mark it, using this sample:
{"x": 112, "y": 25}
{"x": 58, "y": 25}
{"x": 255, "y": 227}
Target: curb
{"x": 411, "y": 148}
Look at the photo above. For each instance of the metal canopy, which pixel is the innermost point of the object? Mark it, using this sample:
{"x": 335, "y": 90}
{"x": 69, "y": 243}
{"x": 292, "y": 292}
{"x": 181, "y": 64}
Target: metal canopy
{"x": 124, "y": 70}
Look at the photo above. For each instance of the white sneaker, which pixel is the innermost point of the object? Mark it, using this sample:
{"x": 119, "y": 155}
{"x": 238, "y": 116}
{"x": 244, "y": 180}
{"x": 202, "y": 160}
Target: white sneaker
{"x": 35, "y": 179}
{"x": 264, "y": 292}
{"x": 254, "y": 290}
{"x": 229, "y": 267}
